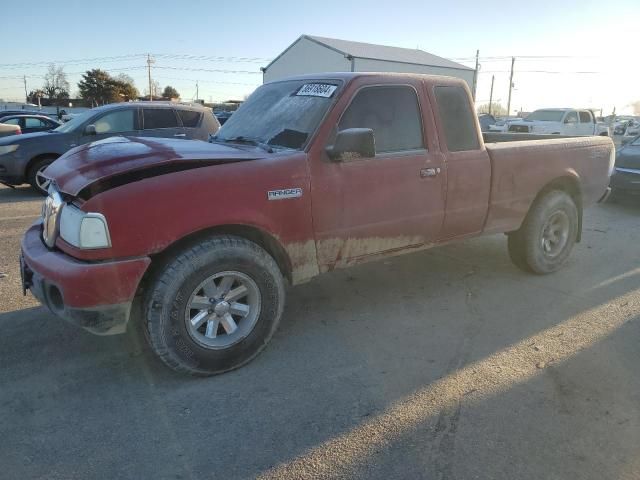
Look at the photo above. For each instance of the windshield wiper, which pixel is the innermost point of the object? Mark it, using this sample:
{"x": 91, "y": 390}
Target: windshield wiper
{"x": 246, "y": 140}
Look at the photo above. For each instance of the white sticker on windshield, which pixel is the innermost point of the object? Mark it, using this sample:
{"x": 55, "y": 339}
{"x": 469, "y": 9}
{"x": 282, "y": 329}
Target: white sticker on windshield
{"x": 317, "y": 90}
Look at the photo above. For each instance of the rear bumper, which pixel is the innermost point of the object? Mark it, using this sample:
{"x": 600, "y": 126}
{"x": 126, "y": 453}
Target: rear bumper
{"x": 626, "y": 180}
{"x": 12, "y": 169}
{"x": 95, "y": 296}
{"x": 604, "y": 197}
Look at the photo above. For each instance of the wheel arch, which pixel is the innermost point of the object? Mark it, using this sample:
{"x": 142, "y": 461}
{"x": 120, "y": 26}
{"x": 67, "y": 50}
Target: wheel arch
{"x": 39, "y": 157}
{"x": 254, "y": 234}
{"x": 569, "y": 184}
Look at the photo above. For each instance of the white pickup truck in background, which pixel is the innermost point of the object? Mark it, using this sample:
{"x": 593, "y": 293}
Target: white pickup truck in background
{"x": 560, "y": 121}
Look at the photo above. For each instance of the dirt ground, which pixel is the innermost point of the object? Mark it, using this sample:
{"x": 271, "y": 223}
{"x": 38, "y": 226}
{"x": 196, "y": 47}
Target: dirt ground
{"x": 444, "y": 364}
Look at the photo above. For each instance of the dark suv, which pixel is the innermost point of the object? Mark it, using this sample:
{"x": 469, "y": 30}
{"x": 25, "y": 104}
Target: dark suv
{"x": 23, "y": 158}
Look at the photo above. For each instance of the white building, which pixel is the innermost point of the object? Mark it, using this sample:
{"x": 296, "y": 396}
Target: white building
{"x": 310, "y": 54}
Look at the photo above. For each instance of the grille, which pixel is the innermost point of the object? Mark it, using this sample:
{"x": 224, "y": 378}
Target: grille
{"x": 519, "y": 128}
{"x": 51, "y": 217}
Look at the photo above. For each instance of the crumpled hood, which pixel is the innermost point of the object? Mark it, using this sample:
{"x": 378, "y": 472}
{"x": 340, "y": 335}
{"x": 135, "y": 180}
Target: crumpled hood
{"x": 112, "y": 157}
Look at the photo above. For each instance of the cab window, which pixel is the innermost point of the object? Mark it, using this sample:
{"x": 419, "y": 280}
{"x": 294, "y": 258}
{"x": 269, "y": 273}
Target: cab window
{"x": 154, "y": 118}
{"x": 457, "y": 117}
{"x": 115, "y": 122}
{"x": 391, "y": 112}
{"x": 572, "y": 117}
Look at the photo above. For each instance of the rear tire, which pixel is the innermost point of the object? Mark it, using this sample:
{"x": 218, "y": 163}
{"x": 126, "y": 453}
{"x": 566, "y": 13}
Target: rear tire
{"x": 34, "y": 175}
{"x": 195, "y": 322}
{"x": 545, "y": 239}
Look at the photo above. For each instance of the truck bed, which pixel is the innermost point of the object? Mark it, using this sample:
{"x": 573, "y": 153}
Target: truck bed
{"x": 521, "y": 169}
{"x": 499, "y": 137}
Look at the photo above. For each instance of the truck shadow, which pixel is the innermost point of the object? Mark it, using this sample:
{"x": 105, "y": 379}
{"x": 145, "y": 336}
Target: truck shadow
{"x": 352, "y": 346}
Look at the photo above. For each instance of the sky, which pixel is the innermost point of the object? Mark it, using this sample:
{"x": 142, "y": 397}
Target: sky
{"x": 222, "y": 45}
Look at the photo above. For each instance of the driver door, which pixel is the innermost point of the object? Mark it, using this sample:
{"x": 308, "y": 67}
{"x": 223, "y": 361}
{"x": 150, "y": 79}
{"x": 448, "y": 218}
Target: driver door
{"x": 571, "y": 125}
{"x": 389, "y": 202}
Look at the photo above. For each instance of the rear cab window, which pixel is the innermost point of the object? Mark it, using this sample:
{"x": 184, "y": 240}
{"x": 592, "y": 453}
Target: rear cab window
{"x": 154, "y": 118}
{"x": 585, "y": 117}
{"x": 457, "y": 119}
{"x": 190, "y": 118}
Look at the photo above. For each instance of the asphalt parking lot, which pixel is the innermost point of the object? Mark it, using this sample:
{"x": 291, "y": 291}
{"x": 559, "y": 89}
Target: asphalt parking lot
{"x": 444, "y": 364}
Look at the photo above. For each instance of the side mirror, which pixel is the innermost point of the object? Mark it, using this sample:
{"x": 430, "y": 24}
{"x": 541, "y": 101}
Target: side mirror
{"x": 90, "y": 130}
{"x": 352, "y": 143}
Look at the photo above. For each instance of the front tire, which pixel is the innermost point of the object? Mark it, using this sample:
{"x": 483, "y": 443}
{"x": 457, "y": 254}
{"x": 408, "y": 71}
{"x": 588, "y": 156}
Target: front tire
{"x": 547, "y": 236}
{"x": 215, "y": 306}
{"x": 35, "y": 175}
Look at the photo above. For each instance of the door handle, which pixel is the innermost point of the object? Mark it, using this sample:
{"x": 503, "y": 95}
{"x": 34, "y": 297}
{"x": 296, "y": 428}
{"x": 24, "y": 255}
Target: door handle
{"x": 429, "y": 172}
{"x": 180, "y": 135}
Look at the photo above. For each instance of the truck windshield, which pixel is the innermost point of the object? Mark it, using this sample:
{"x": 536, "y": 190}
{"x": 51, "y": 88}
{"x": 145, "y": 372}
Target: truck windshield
{"x": 546, "y": 116}
{"x": 281, "y": 114}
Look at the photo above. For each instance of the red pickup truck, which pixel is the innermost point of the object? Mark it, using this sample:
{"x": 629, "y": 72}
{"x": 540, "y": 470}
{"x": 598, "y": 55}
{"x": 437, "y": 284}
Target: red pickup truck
{"x": 311, "y": 174}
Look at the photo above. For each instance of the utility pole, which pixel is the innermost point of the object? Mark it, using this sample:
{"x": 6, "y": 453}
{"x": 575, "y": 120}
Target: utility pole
{"x": 149, "y": 62}
{"x": 513, "y": 60}
{"x": 493, "y": 77}
{"x": 197, "y": 97}
{"x": 475, "y": 75}
{"x": 26, "y": 95}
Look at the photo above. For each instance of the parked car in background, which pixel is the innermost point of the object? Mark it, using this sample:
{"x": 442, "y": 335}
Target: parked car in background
{"x": 486, "y": 121}
{"x": 27, "y": 156}
{"x": 620, "y": 124}
{"x": 9, "y": 113}
{"x": 311, "y": 174}
{"x": 560, "y": 121}
{"x": 222, "y": 116}
{"x": 31, "y": 123}
{"x": 631, "y": 132}
{"x": 626, "y": 177}
{"x": 7, "y": 130}
{"x": 502, "y": 124}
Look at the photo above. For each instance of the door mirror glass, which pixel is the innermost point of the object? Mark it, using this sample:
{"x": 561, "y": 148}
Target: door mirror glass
{"x": 90, "y": 130}
{"x": 352, "y": 143}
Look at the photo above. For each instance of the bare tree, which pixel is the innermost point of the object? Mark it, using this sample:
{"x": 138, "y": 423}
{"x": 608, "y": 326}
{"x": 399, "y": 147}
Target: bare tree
{"x": 156, "y": 91}
{"x": 496, "y": 109}
{"x": 56, "y": 85}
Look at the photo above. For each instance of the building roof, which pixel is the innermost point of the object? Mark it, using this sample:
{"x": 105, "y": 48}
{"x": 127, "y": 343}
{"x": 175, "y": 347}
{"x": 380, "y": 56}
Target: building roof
{"x": 379, "y": 52}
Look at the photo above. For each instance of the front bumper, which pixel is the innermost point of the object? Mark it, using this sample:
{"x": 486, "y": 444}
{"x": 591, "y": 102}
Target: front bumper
{"x": 12, "y": 168}
{"x": 96, "y": 296}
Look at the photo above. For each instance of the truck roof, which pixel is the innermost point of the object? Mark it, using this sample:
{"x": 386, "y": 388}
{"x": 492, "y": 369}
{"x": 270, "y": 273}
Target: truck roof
{"x": 147, "y": 104}
{"x": 348, "y": 76}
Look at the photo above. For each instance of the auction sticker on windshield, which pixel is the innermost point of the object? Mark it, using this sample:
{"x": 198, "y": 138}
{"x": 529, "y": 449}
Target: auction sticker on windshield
{"x": 317, "y": 90}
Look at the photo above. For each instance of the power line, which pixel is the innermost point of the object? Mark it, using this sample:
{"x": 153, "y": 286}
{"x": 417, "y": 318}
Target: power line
{"x": 207, "y": 58}
{"x": 209, "y": 81}
{"x": 211, "y": 70}
{"x": 542, "y": 71}
{"x": 118, "y": 58}
{"x": 68, "y": 62}
{"x": 526, "y": 57}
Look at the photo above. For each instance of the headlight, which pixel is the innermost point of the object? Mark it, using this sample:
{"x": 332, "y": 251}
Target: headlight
{"x": 4, "y": 149}
{"x": 84, "y": 230}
